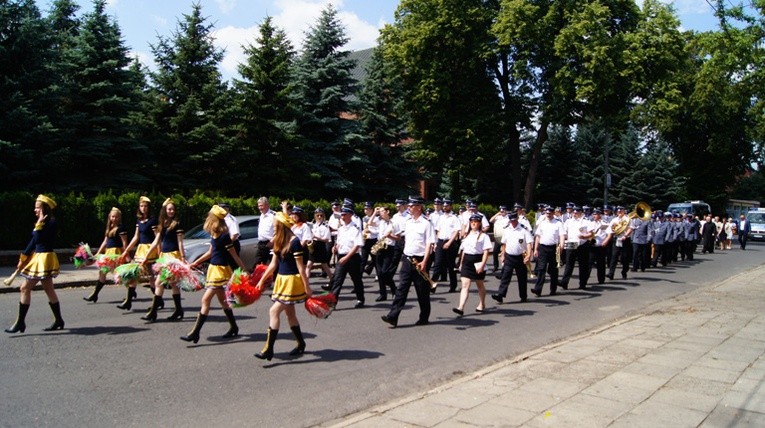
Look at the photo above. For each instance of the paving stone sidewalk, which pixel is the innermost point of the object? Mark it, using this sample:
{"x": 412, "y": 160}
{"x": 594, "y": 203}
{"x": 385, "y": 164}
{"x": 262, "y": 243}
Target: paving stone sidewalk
{"x": 696, "y": 360}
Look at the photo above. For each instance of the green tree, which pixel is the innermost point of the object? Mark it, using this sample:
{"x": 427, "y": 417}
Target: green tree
{"x": 323, "y": 84}
{"x": 25, "y": 51}
{"x": 266, "y": 114}
{"x": 192, "y": 110}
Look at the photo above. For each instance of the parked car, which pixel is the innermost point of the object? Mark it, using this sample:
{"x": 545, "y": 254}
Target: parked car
{"x": 756, "y": 220}
{"x": 196, "y": 241}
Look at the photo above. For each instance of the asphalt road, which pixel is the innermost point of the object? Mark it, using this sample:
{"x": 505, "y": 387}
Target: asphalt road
{"x": 110, "y": 368}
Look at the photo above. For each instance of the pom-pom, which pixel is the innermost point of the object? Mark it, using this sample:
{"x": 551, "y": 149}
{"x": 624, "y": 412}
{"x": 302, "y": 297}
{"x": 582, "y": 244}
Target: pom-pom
{"x": 127, "y": 274}
{"x": 107, "y": 262}
{"x": 172, "y": 271}
{"x": 241, "y": 289}
{"x": 83, "y": 256}
{"x": 321, "y": 305}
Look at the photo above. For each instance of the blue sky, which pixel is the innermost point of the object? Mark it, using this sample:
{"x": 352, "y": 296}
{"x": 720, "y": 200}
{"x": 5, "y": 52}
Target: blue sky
{"x": 236, "y": 21}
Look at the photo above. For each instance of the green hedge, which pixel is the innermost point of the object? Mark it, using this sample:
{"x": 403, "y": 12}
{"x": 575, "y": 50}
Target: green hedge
{"x": 82, "y": 219}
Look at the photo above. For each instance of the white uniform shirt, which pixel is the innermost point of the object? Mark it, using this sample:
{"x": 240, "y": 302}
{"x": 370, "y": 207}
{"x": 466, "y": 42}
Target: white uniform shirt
{"x": 321, "y": 232}
{"x": 573, "y": 227}
{"x": 465, "y": 219}
{"x": 348, "y": 236}
{"x": 303, "y": 232}
{"x": 476, "y": 242}
{"x": 372, "y": 226}
{"x": 419, "y": 234}
{"x": 384, "y": 228}
{"x": 516, "y": 239}
{"x": 266, "y": 226}
{"x": 524, "y": 222}
{"x": 550, "y": 232}
{"x": 399, "y": 221}
{"x": 499, "y": 227}
{"x": 334, "y": 222}
{"x": 447, "y": 225}
{"x": 233, "y": 225}
{"x": 601, "y": 230}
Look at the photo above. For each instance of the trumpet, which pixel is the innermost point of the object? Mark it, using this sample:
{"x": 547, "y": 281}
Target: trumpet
{"x": 528, "y": 267}
{"x": 8, "y": 281}
{"x": 422, "y": 273}
{"x": 557, "y": 256}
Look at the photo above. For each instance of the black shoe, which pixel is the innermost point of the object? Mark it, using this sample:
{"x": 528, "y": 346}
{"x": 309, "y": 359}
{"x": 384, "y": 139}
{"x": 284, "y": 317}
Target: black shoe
{"x": 498, "y": 275}
{"x": 582, "y": 287}
{"x": 523, "y": 300}
{"x": 611, "y": 277}
{"x": 422, "y": 322}
{"x": 563, "y": 286}
{"x": 126, "y": 305}
{"x": 624, "y": 275}
{"x": 359, "y": 304}
{"x": 553, "y": 293}
{"x": 57, "y": 325}
{"x": 326, "y": 287}
{"x": 381, "y": 298}
{"x": 536, "y": 293}
{"x": 389, "y": 320}
{"x": 453, "y": 290}
{"x": 497, "y": 297}
{"x": 459, "y": 312}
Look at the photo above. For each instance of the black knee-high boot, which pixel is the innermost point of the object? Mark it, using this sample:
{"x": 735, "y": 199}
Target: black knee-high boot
{"x": 20, "y": 325}
{"x": 178, "y": 313}
{"x": 151, "y": 316}
{"x": 194, "y": 335}
{"x": 268, "y": 350}
{"x": 300, "y": 348}
{"x": 94, "y": 295}
{"x": 233, "y": 331}
{"x": 58, "y": 323}
{"x": 127, "y": 304}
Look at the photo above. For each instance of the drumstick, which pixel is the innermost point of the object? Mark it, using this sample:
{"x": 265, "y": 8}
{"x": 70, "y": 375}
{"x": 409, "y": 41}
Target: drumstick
{"x": 10, "y": 279}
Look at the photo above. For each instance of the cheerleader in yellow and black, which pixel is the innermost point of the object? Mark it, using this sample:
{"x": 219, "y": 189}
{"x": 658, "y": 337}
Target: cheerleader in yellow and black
{"x": 221, "y": 254}
{"x": 145, "y": 233}
{"x": 169, "y": 240}
{"x": 290, "y": 286}
{"x": 38, "y": 263}
{"x": 115, "y": 241}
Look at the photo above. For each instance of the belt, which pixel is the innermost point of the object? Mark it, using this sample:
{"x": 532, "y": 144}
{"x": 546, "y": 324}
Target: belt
{"x": 548, "y": 246}
{"x": 514, "y": 255}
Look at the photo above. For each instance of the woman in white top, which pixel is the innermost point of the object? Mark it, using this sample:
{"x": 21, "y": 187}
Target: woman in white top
{"x": 317, "y": 249}
{"x": 475, "y": 249}
{"x": 384, "y": 260}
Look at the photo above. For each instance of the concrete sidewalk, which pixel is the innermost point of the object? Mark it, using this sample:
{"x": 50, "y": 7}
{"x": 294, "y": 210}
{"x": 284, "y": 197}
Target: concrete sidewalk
{"x": 68, "y": 277}
{"x": 696, "y": 360}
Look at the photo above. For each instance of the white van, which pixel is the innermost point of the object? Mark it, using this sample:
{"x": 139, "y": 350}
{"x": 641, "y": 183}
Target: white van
{"x": 756, "y": 219}
{"x": 697, "y": 208}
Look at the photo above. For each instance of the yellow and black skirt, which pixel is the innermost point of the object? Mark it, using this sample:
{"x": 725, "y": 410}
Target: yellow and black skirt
{"x": 142, "y": 253}
{"x": 41, "y": 266}
{"x": 113, "y": 251}
{"x": 173, "y": 254}
{"x": 289, "y": 289}
{"x": 218, "y": 275}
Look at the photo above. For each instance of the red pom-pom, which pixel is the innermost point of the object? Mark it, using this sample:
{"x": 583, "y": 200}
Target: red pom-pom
{"x": 241, "y": 290}
{"x": 321, "y": 305}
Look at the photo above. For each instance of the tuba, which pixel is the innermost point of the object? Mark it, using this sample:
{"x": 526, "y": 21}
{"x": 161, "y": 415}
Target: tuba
{"x": 642, "y": 211}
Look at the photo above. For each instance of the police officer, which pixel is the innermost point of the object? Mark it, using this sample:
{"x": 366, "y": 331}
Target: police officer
{"x": 447, "y": 245}
{"x": 576, "y": 236}
{"x": 639, "y": 238}
{"x": 547, "y": 242}
{"x": 516, "y": 252}
{"x": 420, "y": 237}
{"x": 265, "y": 232}
{"x": 621, "y": 246}
{"x": 499, "y": 222}
{"x": 599, "y": 231}
{"x": 370, "y": 234}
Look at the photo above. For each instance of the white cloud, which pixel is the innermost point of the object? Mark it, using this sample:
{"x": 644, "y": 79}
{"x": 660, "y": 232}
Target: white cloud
{"x": 232, "y": 39}
{"x": 686, "y": 7}
{"x": 226, "y": 6}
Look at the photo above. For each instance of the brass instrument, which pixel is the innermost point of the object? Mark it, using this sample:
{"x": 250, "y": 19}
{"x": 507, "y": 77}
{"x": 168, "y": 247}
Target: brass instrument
{"x": 642, "y": 211}
{"x": 558, "y": 256}
{"x": 309, "y": 244}
{"x": 530, "y": 272}
{"x": 379, "y": 245}
{"x": 365, "y": 233}
{"x": 422, "y": 273}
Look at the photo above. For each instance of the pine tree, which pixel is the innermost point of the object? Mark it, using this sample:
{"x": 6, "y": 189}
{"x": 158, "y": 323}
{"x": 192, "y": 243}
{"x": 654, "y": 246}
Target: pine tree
{"x": 97, "y": 97}
{"x": 25, "y": 50}
{"x": 266, "y": 115}
{"x": 560, "y": 178}
{"x": 323, "y": 84}
{"x": 384, "y": 133}
{"x": 624, "y": 156}
{"x": 192, "y": 110}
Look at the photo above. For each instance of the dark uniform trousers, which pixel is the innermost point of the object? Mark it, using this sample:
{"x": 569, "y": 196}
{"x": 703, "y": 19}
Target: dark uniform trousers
{"x": 366, "y": 264}
{"x": 264, "y": 254}
{"x": 444, "y": 262}
{"x": 640, "y": 256}
{"x": 407, "y": 276}
{"x": 546, "y": 262}
{"x": 353, "y": 267}
{"x": 582, "y": 257}
{"x": 385, "y": 273}
{"x": 398, "y": 251}
{"x": 514, "y": 263}
{"x": 621, "y": 255}
{"x": 598, "y": 259}
{"x": 660, "y": 255}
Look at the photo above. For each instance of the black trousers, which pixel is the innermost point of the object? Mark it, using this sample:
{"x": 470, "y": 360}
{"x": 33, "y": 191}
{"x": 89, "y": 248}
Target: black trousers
{"x": 581, "y": 256}
{"x": 444, "y": 262}
{"x": 546, "y": 262}
{"x": 598, "y": 259}
{"x": 621, "y": 255}
{"x": 641, "y": 253}
{"x": 385, "y": 273}
{"x": 407, "y": 277}
{"x": 264, "y": 254}
{"x": 495, "y": 253}
{"x": 514, "y": 264}
{"x": 742, "y": 238}
{"x": 366, "y": 254}
{"x": 353, "y": 267}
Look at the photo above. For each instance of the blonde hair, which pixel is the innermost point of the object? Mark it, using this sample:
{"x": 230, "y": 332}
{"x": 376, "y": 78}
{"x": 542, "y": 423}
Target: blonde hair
{"x": 282, "y": 237}
{"x": 112, "y": 228}
{"x": 214, "y": 225}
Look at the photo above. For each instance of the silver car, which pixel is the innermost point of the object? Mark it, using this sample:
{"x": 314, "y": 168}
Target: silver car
{"x": 196, "y": 241}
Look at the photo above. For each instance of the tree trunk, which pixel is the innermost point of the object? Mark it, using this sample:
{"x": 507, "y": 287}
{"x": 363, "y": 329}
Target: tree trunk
{"x": 531, "y": 178}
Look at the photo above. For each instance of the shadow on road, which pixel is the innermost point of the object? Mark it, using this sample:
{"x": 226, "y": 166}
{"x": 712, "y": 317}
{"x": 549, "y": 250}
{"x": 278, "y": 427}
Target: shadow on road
{"x": 322, "y": 356}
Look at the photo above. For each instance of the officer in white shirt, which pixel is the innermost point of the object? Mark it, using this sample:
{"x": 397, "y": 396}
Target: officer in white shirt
{"x": 499, "y": 222}
{"x": 233, "y": 230}
{"x": 576, "y": 236}
{"x": 547, "y": 241}
{"x": 420, "y": 237}
{"x": 265, "y": 232}
{"x": 347, "y": 248}
{"x": 599, "y": 232}
{"x": 447, "y": 245}
{"x": 516, "y": 250}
